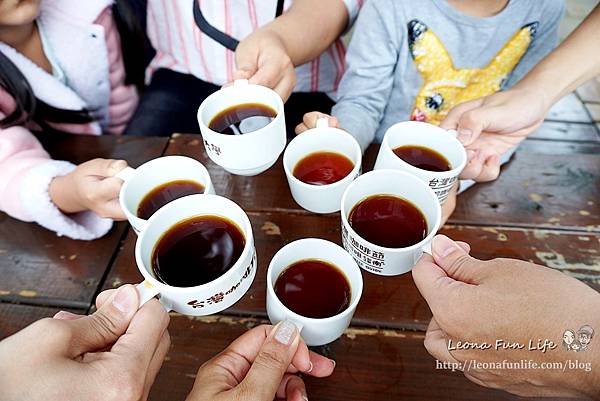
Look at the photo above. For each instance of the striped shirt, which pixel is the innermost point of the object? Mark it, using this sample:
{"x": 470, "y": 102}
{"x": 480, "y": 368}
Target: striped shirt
{"x": 181, "y": 46}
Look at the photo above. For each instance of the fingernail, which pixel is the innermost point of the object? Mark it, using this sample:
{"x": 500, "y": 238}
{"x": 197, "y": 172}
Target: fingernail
{"x": 471, "y": 154}
{"x": 332, "y": 362}
{"x": 64, "y": 315}
{"x": 304, "y": 397}
{"x": 285, "y": 332}
{"x": 310, "y": 367}
{"x": 125, "y": 299}
{"x": 444, "y": 246}
{"x": 464, "y": 134}
{"x": 117, "y": 166}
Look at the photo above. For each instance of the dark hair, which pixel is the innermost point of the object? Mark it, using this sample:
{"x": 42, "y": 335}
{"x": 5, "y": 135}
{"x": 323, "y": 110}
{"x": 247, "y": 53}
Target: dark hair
{"x": 30, "y": 108}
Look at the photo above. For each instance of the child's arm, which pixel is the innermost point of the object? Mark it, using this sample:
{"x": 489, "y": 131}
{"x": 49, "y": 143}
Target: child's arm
{"x": 268, "y": 55}
{"x": 371, "y": 61}
{"x": 28, "y": 175}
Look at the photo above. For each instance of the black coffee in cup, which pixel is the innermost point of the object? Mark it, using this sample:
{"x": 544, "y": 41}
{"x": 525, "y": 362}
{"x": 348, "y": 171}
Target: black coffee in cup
{"x": 242, "y": 119}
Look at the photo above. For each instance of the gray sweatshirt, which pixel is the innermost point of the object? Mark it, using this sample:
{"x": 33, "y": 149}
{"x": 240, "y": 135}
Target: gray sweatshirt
{"x": 417, "y": 59}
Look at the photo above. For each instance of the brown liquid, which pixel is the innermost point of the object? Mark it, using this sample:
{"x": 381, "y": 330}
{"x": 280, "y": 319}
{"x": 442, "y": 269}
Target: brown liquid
{"x": 166, "y": 193}
{"x": 197, "y": 251}
{"x": 322, "y": 168}
{"x": 388, "y": 221}
{"x": 423, "y": 158}
{"x": 313, "y": 288}
{"x": 242, "y": 119}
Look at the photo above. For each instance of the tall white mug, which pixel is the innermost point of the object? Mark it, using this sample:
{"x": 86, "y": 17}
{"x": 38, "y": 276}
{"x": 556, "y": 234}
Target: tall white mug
{"x": 378, "y": 259}
{"x": 250, "y": 153}
{"x": 314, "y": 331}
{"x": 432, "y": 137}
{"x": 205, "y": 299}
{"x": 140, "y": 181}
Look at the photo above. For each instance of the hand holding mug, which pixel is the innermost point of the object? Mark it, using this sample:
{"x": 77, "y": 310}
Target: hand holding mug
{"x": 93, "y": 185}
{"x": 260, "y": 366}
{"x": 113, "y": 354}
{"x": 502, "y": 302}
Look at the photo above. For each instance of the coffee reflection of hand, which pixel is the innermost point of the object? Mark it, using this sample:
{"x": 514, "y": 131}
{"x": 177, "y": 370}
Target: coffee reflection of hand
{"x": 260, "y": 366}
{"x": 504, "y": 302}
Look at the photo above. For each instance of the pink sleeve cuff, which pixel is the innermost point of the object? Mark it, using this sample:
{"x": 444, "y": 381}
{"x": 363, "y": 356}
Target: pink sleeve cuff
{"x": 36, "y": 202}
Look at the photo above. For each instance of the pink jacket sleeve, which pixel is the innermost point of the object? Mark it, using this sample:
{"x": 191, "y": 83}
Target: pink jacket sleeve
{"x": 123, "y": 98}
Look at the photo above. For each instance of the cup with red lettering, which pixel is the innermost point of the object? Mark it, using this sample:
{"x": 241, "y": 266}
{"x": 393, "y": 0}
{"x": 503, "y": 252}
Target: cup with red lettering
{"x": 382, "y": 260}
{"x": 212, "y": 296}
{"x": 431, "y": 137}
{"x": 333, "y": 152}
{"x": 251, "y": 145}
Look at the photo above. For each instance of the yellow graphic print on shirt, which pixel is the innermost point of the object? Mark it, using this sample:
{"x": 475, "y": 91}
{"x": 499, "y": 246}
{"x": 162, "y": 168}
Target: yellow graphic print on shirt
{"x": 445, "y": 86}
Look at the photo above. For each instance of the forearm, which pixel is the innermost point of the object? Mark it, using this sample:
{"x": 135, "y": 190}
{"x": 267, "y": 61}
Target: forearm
{"x": 309, "y": 27}
{"x": 574, "y": 62}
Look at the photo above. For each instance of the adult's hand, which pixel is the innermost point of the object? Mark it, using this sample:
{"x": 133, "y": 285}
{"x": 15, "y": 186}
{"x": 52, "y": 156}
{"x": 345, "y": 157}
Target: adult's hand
{"x": 511, "y": 301}
{"x": 260, "y": 366}
{"x": 493, "y": 125}
{"x": 263, "y": 59}
{"x": 113, "y": 354}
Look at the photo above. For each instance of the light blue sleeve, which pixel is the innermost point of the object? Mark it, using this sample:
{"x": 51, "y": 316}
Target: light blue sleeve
{"x": 371, "y": 60}
{"x": 545, "y": 40}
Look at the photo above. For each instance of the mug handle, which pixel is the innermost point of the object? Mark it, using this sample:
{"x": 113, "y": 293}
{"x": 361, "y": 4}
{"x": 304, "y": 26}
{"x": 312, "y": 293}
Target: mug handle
{"x": 452, "y": 132}
{"x": 322, "y": 122}
{"x": 240, "y": 82}
{"x": 427, "y": 249}
{"x": 126, "y": 173}
{"x": 146, "y": 291}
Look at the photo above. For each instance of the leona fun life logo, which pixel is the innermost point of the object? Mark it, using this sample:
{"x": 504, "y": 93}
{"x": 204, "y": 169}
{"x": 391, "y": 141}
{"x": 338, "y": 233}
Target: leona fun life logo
{"x": 578, "y": 341}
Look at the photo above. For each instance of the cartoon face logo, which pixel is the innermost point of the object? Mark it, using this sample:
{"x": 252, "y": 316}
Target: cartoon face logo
{"x": 578, "y": 342}
{"x": 568, "y": 339}
{"x": 444, "y": 85}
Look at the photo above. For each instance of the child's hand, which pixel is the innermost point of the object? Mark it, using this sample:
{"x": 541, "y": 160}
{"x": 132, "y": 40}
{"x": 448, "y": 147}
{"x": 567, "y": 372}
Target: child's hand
{"x": 262, "y": 59}
{"x": 310, "y": 121}
{"x": 91, "y": 186}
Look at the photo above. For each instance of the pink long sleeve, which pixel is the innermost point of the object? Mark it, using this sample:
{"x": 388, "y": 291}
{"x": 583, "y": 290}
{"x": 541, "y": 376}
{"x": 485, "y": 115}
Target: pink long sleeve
{"x": 123, "y": 98}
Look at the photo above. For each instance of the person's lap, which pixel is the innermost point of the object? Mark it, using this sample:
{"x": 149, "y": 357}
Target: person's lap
{"x": 171, "y": 100}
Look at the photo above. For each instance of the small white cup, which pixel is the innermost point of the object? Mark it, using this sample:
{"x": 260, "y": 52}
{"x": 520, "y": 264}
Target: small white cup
{"x": 378, "y": 259}
{"x": 430, "y": 136}
{"x": 321, "y": 198}
{"x": 140, "y": 181}
{"x": 247, "y": 154}
{"x": 205, "y": 299}
{"x": 314, "y": 331}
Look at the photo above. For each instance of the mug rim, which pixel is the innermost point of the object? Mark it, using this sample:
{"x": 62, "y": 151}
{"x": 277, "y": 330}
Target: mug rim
{"x": 147, "y": 165}
{"x": 376, "y": 247}
{"x": 351, "y": 307}
{"x": 212, "y": 96}
{"x": 455, "y": 171}
{"x": 332, "y": 130}
{"x": 246, "y": 252}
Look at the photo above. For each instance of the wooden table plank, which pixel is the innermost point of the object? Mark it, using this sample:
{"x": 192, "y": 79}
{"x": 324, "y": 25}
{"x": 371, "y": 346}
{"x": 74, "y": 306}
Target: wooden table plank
{"x": 39, "y": 267}
{"x": 570, "y": 109}
{"x": 371, "y": 364}
{"x": 565, "y": 176}
{"x": 589, "y": 92}
{"x": 16, "y": 317}
{"x": 565, "y": 131}
{"x": 395, "y": 301}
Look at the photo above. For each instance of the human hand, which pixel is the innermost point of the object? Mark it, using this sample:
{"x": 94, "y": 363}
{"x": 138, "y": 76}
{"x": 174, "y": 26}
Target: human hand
{"x": 91, "y": 186}
{"x": 262, "y": 59}
{"x": 260, "y": 366}
{"x": 492, "y": 125}
{"x": 113, "y": 354}
{"x": 310, "y": 121}
{"x": 511, "y": 301}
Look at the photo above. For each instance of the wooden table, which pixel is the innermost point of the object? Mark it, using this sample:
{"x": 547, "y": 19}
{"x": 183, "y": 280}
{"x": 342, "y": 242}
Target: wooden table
{"x": 543, "y": 208}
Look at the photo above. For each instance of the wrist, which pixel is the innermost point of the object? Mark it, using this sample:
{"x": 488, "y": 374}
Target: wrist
{"x": 62, "y": 194}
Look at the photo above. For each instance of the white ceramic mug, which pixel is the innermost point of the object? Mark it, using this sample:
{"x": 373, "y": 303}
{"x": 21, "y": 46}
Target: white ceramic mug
{"x": 140, "y": 181}
{"x": 314, "y": 331}
{"x": 208, "y": 298}
{"x": 246, "y": 154}
{"x": 322, "y": 138}
{"x": 430, "y": 136}
{"x": 378, "y": 259}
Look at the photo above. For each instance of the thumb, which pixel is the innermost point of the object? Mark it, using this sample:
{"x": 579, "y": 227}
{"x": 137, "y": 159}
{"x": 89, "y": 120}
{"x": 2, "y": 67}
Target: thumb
{"x": 102, "y": 329}
{"x": 271, "y": 363}
{"x": 456, "y": 262}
